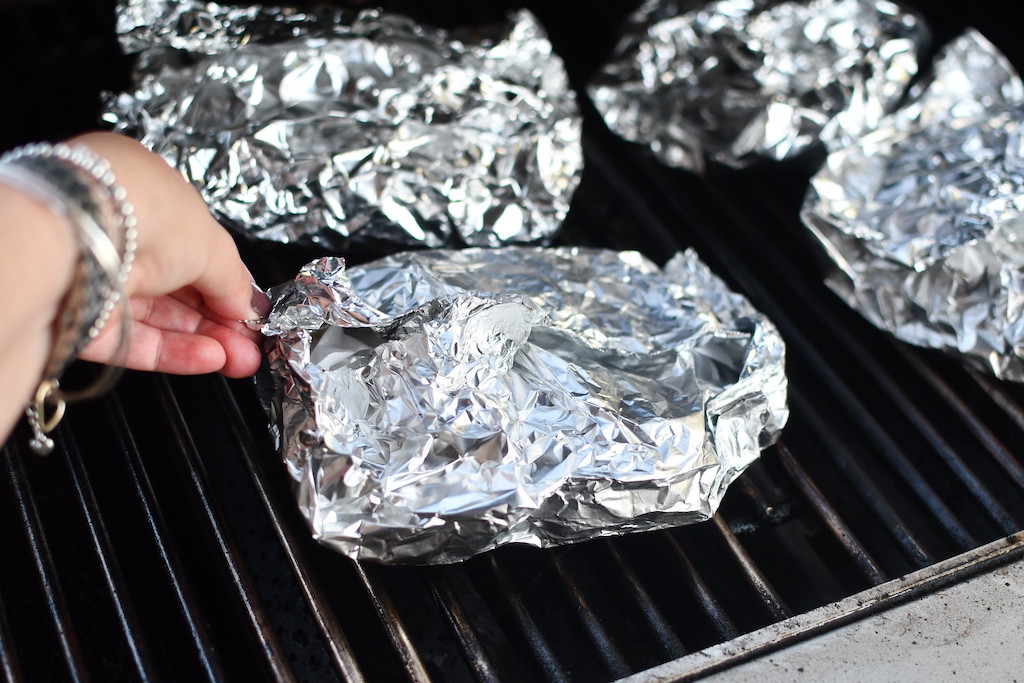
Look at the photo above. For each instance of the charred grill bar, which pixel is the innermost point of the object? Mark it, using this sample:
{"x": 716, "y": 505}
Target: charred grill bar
{"x": 161, "y": 538}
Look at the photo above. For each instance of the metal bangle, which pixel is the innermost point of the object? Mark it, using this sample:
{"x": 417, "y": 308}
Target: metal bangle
{"x": 97, "y": 169}
{"x": 98, "y": 264}
{"x": 80, "y": 186}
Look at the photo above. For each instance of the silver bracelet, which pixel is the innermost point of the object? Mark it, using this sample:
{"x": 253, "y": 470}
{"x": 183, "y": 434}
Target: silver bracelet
{"x": 78, "y": 185}
{"x": 39, "y": 157}
{"x": 59, "y": 188}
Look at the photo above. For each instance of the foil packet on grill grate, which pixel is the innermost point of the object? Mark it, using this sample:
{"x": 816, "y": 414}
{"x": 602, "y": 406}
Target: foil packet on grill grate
{"x": 437, "y": 404}
{"x": 923, "y": 217}
{"x": 339, "y": 128}
{"x": 735, "y": 81}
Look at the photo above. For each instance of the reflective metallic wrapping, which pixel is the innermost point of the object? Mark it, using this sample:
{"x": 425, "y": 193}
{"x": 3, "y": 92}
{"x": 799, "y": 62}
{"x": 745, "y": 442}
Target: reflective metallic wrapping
{"x": 437, "y": 404}
{"x": 335, "y": 127}
{"x": 923, "y": 216}
{"x": 738, "y": 80}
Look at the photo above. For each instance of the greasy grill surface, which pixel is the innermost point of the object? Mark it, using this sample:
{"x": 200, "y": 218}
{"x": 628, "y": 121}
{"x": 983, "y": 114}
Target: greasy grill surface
{"x": 161, "y": 540}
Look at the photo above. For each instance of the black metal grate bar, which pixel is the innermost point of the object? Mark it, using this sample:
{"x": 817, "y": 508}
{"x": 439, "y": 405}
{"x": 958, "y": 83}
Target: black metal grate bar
{"x": 997, "y": 393}
{"x": 605, "y": 646}
{"x": 126, "y": 615}
{"x": 670, "y": 644}
{"x": 998, "y": 451}
{"x": 539, "y": 647}
{"x": 842, "y": 532}
{"x": 56, "y": 601}
{"x": 996, "y": 512}
{"x": 720, "y": 620}
{"x": 248, "y": 597}
{"x": 8, "y": 662}
{"x": 450, "y": 604}
{"x": 320, "y": 606}
{"x": 864, "y": 487}
{"x": 391, "y": 619}
{"x": 771, "y": 600}
{"x": 206, "y": 653}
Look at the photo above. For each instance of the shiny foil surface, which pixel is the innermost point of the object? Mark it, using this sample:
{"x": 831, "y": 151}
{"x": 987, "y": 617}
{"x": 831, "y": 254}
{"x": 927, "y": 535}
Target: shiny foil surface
{"x": 335, "y": 127}
{"x": 437, "y": 404}
{"x": 923, "y": 216}
{"x": 735, "y": 81}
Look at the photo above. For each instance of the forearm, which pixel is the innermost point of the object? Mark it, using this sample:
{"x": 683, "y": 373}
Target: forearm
{"x": 37, "y": 259}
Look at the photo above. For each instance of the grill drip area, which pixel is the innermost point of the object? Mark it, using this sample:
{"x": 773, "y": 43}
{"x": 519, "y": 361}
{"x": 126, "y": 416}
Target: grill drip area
{"x": 161, "y": 540}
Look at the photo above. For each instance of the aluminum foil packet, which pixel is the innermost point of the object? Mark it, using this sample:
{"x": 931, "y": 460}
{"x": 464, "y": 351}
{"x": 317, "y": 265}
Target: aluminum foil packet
{"x": 735, "y": 81}
{"x": 437, "y": 404}
{"x": 923, "y": 217}
{"x": 336, "y": 128}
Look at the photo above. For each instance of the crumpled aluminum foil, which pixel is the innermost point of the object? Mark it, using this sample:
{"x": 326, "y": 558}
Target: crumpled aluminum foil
{"x": 437, "y": 404}
{"x": 735, "y": 81}
{"x": 923, "y": 217}
{"x": 336, "y": 127}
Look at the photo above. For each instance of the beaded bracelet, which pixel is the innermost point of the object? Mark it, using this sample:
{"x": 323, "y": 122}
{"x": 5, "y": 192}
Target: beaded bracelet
{"x": 78, "y": 185}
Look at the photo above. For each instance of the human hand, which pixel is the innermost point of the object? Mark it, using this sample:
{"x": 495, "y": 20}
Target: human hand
{"x": 189, "y": 288}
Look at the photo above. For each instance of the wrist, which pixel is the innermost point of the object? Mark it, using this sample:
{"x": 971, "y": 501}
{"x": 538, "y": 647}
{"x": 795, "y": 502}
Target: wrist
{"x": 79, "y": 188}
{"x": 38, "y": 260}
{"x": 36, "y": 266}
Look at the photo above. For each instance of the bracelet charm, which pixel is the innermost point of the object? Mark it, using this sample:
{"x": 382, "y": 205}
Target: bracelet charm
{"x": 80, "y": 187}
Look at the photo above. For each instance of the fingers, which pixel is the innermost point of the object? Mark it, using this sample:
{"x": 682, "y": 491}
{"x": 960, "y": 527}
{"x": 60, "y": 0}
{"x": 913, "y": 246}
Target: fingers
{"x": 167, "y": 335}
{"x": 242, "y": 355}
{"x": 193, "y": 300}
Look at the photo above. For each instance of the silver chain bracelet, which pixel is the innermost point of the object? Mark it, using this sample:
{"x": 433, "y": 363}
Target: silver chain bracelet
{"x": 79, "y": 186}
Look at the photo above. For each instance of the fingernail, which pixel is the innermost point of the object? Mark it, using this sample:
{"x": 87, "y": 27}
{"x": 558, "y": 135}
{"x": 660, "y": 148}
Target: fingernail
{"x": 260, "y": 304}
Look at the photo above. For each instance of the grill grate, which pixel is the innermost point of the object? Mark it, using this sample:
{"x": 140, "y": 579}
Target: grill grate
{"x": 161, "y": 538}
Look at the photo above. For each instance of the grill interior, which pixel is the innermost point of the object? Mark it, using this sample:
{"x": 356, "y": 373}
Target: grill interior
{"x": 161, "y": 538}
